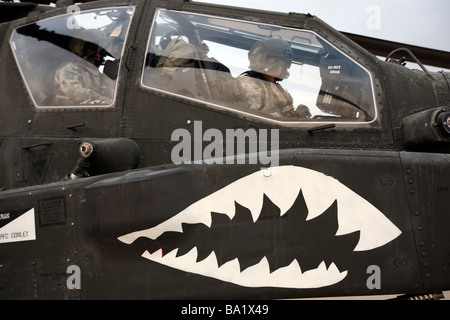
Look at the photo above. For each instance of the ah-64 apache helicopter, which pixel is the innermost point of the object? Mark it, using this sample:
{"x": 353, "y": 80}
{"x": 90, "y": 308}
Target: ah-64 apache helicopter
{"x": 137, "y": 164}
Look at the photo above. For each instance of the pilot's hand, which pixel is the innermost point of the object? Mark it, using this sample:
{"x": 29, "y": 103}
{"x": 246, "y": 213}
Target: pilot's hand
{"x": 302, "y": 111}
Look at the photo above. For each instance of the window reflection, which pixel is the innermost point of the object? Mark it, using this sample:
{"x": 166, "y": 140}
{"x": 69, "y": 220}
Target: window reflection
{"x": 72, "y": 64}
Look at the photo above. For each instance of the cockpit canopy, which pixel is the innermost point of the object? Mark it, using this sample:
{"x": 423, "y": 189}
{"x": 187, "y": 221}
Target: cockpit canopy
{"x": 72, "y": 60}
{"x": 200, "y": 57}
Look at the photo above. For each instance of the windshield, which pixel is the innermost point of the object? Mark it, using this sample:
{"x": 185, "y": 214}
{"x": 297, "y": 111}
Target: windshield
{"x": 267, "y": 71}
{"x": 73, "y": 60}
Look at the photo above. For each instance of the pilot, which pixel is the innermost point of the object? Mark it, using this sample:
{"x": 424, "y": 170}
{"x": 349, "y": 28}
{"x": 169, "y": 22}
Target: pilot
{"x": 80, "y": 81}
{"x": 270, "y": 60}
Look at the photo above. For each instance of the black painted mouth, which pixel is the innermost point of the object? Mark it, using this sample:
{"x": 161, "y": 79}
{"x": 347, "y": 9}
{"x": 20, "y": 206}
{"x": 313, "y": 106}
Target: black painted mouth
{"x": 290, "y": 227}
{"x": 281, "y": 239}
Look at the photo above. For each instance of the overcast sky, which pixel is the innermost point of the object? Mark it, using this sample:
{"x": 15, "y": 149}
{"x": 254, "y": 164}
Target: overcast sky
{"x": 423, "y": 23}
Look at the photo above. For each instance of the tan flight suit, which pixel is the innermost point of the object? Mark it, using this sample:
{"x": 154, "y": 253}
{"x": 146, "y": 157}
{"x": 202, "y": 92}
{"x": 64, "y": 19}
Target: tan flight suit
{"x": 270, "y": 97}
{"x": 82, "y": 83}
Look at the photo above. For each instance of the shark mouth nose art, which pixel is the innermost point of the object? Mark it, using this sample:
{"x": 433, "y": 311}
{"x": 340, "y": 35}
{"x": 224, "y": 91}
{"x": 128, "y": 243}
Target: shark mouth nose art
{"x": 269, "y": 229}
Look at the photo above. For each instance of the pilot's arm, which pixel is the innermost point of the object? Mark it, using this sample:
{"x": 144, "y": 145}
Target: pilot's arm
{"x": 271, "y": 98}
{"x": 77, "y": 85}
{"x": 254, "y": 92}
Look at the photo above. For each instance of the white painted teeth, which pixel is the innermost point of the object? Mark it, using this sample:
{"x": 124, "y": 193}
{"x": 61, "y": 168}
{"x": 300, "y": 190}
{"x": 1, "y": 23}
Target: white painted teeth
{"x": 282, "y": 187}
{"x": 257, "y": 275}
